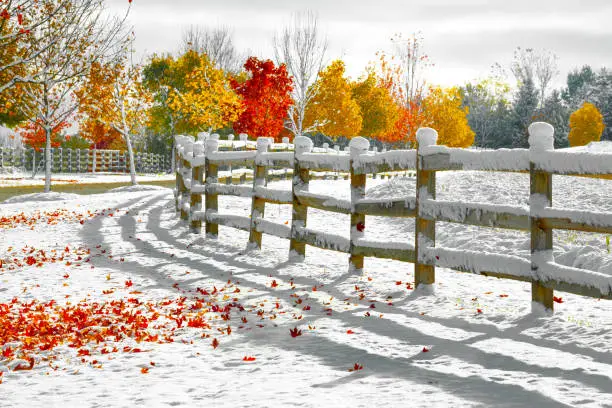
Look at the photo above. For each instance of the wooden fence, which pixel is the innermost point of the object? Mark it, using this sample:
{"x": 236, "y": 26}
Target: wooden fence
{"x": 197, "y": 175}
{"x": 82, "y": 160}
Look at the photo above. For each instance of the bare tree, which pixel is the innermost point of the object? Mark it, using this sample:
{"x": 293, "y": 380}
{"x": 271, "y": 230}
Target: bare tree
{"x": 539, "y": 66}
{"x": 302, "y": 49}
{"x": 413, "y": 62}
{"x": 64, "y": 48}
{"x": 216, "y": 43}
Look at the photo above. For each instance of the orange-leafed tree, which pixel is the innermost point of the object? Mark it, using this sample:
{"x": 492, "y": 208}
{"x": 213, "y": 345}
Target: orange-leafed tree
{"x": 586, "y": 125}
{"x": 34, "y": 135}
{"x": 402, "y": 74}
{"x": 101, "y": 135}
{"x": 113, "y": 95}
{"x": 444, "y": 112}
{"x": 332, "y": 110}
{"x": 266, "y": 98}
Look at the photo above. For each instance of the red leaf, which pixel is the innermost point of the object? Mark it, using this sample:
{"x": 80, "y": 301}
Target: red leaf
{"x": 360, "y": 227}
{"x": 215, "y": 343}
{"x": 274, "y": 284}
{"x": 349, "y": 331}
{"x": 356, "y": 367}
{"x": 128, "y": 283}
{"x": 558, "y": 299}
{"x": 249, "y": 358}
{"x": 425, "y": 349}
{"x": 479, "y": 311}
{"x": 295, "y": 332}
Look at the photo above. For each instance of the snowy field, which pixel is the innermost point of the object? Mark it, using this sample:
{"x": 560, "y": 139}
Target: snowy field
{"x": 168, "y": 318}
{"x": 19, "y": 178}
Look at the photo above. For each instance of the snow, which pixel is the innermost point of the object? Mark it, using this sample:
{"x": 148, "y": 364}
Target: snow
{"x": 318, "y": 161}
{"x": 137, "y": 188}
{"x": 473, "y": 159}
{"x": 25, "y": 179}
{"x": 568, "y": 161}
{"x": 273, "y": 194}
{"x": 395, "y": 159}
{"x": 36, "y": 197}
{"x": 504, "y": 355}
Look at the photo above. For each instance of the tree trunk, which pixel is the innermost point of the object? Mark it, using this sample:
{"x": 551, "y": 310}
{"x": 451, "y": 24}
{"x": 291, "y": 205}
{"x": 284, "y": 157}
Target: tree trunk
{"x": 128, "y": 143}
{"x": 48, "y": 160}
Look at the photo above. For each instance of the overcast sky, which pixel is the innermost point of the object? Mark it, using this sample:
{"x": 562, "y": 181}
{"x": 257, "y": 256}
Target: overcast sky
{"x": 462, "y": 37}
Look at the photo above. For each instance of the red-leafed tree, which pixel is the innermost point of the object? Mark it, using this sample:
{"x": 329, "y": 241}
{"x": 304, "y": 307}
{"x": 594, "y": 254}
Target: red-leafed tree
{"x": 34, "y": 135}
{"x": 266, "y": 98}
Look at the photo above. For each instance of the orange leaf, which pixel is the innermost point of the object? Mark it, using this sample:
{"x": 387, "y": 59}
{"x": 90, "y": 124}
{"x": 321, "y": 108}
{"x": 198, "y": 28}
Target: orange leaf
{"x": 144, "y": 370}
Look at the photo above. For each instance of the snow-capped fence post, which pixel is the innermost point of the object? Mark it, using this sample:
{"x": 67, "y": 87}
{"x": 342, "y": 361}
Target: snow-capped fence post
{"x": 425, "y": 230}
{"x": 211, "y": 199}
{"x": 230, "y": 138}
{"x": 178, "y": 140}
{"x": 195, "y": 203}
{"x": 301, "y": 177}
{"x": 541, "y": 139}
{"x": 258, "y": 204}
{"x": 359, "y": 146}
{"x": 186, "y": 187}
{"x": 285, "y": 141}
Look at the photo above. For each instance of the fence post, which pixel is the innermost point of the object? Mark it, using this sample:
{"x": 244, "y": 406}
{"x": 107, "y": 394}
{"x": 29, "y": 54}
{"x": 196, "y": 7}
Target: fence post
{"x": 301, "y": 177}
{"x": 178, "y": 142}
{"x": 258, "y": 205}
{"x": 358, "y": 146}
{"x": 541, "y": 138}
{"x": 196, "y": 181}
{"x": 211, "y": 200}
{"x": 186, "y": 171}
{"x": 425, "y": 230}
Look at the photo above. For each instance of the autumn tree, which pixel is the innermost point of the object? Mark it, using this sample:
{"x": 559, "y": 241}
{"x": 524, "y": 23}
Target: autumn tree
{"x": 33, "y": 135}
{"x": 445, "y": 113}
{"x": 63, "y": 48}
{"x": 266, "y": 98}
{"x": 100, "y": 135}
{"x": 586, "y": 125}
{"x": 114, "y": 95}
{"x": 301, "y": 47}
{"x": 378, "y": 109}
{"x": 333, "y": 111}
{"x": 402, "y": 74}
{"x": 208, "y": 101}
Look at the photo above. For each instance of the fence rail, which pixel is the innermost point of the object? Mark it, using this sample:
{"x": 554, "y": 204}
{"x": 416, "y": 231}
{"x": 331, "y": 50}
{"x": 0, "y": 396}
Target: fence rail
{"x": 82, "y": 160}
{"x": 198, "y": 174}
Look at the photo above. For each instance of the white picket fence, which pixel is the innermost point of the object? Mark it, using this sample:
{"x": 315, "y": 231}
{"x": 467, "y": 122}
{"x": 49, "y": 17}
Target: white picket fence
{"x": 82, "y": 160}
{"x": 198, "y": 175}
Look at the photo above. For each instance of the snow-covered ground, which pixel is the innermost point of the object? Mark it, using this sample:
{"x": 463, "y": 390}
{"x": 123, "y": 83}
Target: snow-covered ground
{"x": 25, "y": 179}
{"x": 169, "y": 318}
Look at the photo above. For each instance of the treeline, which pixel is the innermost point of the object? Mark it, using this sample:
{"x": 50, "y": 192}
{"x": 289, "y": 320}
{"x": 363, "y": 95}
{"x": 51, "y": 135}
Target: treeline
{"x": 210, "y": 86}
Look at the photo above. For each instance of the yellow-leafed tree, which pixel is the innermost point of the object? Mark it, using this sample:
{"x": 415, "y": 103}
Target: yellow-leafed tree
{"x": 378, "y": 108}
{"x": 332, "y": 110}
{"x": 586, "y": 125}
{"x": 208, "y": 101}
{"x": 443, "y": 112}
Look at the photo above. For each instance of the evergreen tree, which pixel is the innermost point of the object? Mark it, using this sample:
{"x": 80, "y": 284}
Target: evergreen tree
{"x": 524, "y": 112}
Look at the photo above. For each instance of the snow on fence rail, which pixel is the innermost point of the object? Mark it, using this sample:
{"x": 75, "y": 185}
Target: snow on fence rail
{"x": 82, "y": 160}
{"x": 197, "y": 175}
